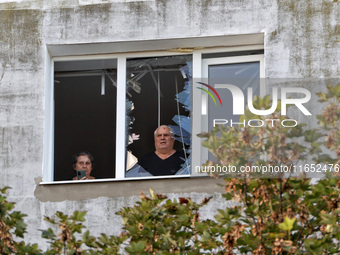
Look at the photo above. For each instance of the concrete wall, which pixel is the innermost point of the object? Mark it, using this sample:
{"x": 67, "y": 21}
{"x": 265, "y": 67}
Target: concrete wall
{"x": 301, "y": 41}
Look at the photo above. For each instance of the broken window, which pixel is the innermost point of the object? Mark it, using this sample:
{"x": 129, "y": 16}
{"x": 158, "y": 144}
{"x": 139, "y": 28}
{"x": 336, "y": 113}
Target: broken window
{"x": 111, "y": 104}
{"x": 158, "y": 93}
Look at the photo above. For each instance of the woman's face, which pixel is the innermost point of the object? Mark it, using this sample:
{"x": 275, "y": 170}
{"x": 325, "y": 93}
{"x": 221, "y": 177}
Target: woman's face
{"x": 84, "y": 163}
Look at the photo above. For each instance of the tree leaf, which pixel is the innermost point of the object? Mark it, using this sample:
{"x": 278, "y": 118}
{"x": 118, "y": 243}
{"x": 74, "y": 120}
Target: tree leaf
{"x": 287, "y": 224}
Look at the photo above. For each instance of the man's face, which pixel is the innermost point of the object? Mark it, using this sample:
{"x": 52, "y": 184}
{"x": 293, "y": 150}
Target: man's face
{"x": 163, "y": 139}
{"x": 84, "y": 163}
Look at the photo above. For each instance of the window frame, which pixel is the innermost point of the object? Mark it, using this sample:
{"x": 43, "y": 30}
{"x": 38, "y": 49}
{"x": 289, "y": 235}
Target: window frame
{"x": 220, "y": 61}
{"x": 198, "y": 153}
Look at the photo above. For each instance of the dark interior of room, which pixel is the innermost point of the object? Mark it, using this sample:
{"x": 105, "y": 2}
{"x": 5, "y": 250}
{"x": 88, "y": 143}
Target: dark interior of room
{"x": 85, "y": 117}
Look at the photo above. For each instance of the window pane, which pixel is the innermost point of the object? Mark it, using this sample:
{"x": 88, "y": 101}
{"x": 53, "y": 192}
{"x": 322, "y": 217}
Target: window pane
{"x": 242, "y": 75}
{"x": 85, "y": 116}
{"x": 158, "y": 93}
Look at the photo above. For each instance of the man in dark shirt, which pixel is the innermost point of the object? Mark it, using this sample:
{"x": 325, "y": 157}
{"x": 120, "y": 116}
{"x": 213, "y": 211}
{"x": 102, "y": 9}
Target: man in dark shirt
{"x": 165, "y": 160}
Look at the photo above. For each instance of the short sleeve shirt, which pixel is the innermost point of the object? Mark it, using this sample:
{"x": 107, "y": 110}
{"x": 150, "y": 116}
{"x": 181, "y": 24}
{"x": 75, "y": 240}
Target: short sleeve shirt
{"x": 157, "y": 166}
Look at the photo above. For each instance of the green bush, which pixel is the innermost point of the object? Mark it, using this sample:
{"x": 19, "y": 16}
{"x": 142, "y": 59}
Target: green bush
{"x": 12, "y": 225}
{"x": 283, "y": 214}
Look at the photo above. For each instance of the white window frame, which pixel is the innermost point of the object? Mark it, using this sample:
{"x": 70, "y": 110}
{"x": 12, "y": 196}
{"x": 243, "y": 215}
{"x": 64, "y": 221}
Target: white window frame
{"x": 205, "y": 63}
{"x": 198, "y": 153}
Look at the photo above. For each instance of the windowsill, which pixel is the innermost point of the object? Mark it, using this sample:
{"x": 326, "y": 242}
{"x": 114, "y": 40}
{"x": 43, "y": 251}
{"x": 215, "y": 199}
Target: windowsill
{"x": 92, "y": 189}
{"x": 120, "y": 180}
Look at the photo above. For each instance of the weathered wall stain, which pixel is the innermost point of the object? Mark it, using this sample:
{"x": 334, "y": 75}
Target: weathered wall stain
{"x": 20, "y": 38}
{"x": 309, "y": 30}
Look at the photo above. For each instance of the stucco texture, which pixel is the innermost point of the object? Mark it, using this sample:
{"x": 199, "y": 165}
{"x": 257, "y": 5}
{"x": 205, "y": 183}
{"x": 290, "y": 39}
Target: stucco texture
{"x": 301, "y": 41}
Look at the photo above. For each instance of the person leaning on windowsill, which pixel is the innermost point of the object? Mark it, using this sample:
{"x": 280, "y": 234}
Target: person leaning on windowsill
{"x": 83, "y": 161}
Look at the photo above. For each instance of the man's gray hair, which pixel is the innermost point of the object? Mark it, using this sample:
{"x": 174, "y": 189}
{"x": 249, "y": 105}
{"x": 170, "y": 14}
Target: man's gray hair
{"x": 165, "y": 126}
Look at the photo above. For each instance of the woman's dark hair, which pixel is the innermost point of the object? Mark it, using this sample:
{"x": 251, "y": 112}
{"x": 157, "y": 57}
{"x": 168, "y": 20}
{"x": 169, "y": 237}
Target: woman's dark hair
{"x": 83, "y": 153}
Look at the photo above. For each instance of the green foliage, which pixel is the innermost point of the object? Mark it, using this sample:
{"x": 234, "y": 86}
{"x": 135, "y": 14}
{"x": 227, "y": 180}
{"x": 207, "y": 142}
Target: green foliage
{"x": 68, "y": 227}
{"x": 282, "y": 215}
{"x": 270, "y": 144}
{"x": 12, "y": 224}
{"x": 157, "y": 225}
{"x": 70, "y": 241}
{"x": 329, "y": 120}
{"x": 285, "y": 215}
{"x": 287, "y": 224}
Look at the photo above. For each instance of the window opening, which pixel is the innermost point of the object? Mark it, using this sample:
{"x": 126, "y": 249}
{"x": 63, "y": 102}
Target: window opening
{"x": 85, "y": 115}
{"x": 158, "y": 93}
